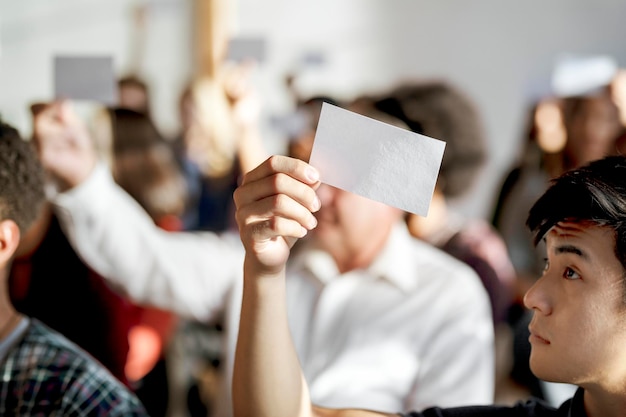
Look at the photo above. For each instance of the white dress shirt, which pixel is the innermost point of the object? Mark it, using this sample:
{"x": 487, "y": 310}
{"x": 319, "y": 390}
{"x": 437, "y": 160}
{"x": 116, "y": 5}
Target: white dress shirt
{"x": 413, "y": 330}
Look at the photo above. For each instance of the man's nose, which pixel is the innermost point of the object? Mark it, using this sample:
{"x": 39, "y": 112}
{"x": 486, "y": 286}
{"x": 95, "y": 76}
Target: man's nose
{"x": 537, "y": 297}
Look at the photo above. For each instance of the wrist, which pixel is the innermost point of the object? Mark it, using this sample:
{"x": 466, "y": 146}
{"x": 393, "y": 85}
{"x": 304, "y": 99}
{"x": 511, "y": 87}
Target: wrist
{"x": 255, "y": 271}
{"x": 76, "y": 177}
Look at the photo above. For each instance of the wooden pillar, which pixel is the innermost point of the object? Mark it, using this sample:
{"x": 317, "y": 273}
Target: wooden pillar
{"x": 212, "y": 20}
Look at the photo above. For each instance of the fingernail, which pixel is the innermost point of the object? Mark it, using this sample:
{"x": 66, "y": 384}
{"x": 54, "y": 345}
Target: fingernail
{"x": 317, "y": 204}
{"x": 312, "y": 174}
{"x": 313, "y": 223}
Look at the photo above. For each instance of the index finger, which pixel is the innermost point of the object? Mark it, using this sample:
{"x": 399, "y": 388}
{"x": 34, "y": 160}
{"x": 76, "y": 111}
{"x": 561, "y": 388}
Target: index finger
{"x": 293, "y": 167}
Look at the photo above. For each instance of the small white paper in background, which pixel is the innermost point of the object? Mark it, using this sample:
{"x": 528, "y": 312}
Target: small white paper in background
{"x": 242, "y": 49}
{"x": 85, "y": 78}
{"x": 375, "y": 160}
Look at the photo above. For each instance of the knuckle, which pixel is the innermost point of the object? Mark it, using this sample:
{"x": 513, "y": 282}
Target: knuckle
{"x": 273, "y": 162}
{"x": 237, "y": 197}
{"x": 280, "y": 201}
{"x": 278, "y": 181}
{"x": 246, "y": 178}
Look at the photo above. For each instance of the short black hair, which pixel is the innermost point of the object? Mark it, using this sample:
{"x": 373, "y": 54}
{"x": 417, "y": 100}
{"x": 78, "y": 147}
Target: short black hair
{"x": 595, "y": 192}
{"x": 21, "y": 179}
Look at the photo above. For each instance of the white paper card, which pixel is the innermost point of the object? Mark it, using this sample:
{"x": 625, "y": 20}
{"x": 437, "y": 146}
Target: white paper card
{"x": 85, "y": 78}
{"x": 376, "y": 160}
{"x": 242, "y": 49}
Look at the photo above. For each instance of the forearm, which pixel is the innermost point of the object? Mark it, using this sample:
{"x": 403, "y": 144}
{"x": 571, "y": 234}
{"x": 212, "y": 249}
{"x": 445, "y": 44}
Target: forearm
{"x": 251, "y": 151}
{"x": 267, "y": 381}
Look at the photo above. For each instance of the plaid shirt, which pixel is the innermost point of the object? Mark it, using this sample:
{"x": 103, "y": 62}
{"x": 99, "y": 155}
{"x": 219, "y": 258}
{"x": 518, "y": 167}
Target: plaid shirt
{"x": 44, "y": 374}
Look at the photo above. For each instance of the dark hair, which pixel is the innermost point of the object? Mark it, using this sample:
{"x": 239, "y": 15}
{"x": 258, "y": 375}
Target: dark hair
{"x": 152, "y": 176}
{"x": 595, "y": 192}
{"x": 132, "y": 129}
{"x": 21, "y": 179}
{"x": 312, "y": 106}
{"x": 135, "y": 82}
{"x": 440, "y": 110}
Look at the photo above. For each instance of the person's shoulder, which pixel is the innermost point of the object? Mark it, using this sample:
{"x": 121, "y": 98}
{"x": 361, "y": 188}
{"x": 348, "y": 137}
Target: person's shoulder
{"x": 446, "y": 276}
{"x": 64, "y": 371}
{"x": 438, "y": 262}
{"x": 479, "y": 241}
{"x": 43, "y": 338}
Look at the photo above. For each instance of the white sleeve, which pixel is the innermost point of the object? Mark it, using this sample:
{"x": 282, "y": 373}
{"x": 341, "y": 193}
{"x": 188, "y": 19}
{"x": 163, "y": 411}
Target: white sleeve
{"x": 188, "y": 273}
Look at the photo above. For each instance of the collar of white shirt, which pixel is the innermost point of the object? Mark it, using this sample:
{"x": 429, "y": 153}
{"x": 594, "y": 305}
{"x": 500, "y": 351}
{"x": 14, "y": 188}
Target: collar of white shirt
{"x": 390, "y": 264}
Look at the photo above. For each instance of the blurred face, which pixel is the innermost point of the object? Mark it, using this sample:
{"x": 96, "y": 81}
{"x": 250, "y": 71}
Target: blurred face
{"x": 592, "y": 130}
{"x": 549, "y": 123}
{"x": 134, "y": 98}
{"x": 351, "y": 228}
{"x": 578, "y": 330}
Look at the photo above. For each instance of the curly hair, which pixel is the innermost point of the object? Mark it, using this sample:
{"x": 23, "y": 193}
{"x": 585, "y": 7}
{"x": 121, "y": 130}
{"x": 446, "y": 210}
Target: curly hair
{"x": 440, "y": 110}
{"x": 21, "y": 179}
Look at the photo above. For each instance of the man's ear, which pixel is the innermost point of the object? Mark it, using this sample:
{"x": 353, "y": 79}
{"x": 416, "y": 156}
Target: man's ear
{"x": 9, "y": 240}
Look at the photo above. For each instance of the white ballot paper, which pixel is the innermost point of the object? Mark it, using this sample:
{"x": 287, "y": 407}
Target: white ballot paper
{"x": 241, "y": 49}
{"x": 85, "y": 78}
{"x": 375, "y": 160}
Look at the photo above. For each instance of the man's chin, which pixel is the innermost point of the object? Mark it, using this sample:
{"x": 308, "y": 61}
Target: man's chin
{"x": 543, "y": 369}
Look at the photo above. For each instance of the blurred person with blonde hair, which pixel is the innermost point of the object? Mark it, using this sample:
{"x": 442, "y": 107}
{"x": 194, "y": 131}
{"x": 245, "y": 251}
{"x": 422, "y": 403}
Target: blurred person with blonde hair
{"x": 219, "y": 141}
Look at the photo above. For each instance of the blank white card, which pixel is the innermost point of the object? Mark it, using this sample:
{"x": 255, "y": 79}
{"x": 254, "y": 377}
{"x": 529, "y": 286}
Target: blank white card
{"x": 376, "y": 160}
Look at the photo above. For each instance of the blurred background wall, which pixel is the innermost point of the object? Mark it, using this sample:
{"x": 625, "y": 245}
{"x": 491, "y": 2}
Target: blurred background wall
{"x": 500, "y": 52}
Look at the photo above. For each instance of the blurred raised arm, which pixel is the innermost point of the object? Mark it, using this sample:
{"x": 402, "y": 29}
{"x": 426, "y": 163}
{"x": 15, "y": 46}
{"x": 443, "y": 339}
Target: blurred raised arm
{"x": 275, "y": 206}
{"x": 187, "y": 273}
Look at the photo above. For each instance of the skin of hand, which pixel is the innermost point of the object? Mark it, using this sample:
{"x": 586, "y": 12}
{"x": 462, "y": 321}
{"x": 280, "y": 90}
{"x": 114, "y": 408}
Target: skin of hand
{"x": 63, "y": 143}
{"x": 275, "y": 205}
{"x": 242, "y": 96}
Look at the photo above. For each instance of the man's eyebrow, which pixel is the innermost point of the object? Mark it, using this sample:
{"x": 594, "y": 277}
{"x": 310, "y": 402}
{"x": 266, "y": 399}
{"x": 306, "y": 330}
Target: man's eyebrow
{"x": 571, "y": 249}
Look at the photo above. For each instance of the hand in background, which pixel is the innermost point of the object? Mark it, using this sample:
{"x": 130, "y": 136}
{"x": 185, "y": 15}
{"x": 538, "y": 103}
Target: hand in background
{"x": 63, "y": 143}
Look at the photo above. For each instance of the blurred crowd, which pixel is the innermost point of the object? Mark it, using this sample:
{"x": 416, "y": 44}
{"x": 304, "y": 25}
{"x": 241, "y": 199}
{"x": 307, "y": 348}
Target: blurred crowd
{"x": 388, "y": 310}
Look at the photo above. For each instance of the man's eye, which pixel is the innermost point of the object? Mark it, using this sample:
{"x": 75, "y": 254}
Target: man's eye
{"x": 571, "y": 274}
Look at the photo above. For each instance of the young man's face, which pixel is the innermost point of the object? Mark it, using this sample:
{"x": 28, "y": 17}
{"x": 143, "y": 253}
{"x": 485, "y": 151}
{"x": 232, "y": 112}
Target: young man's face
{"x": 351, "y": 226}
{"x": 578, "y": 331}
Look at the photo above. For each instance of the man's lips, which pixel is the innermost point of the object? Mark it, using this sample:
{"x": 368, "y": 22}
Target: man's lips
{"x": 536, "y": 337}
